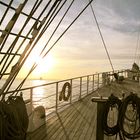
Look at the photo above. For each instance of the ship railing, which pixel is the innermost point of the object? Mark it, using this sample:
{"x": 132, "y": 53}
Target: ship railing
{"x": 47, "y": 95}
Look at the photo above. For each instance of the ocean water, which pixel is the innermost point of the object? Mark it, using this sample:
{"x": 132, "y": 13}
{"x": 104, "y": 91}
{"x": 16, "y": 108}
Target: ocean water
{"x": 45, "y": 95}
{"x": 40, "y": 95}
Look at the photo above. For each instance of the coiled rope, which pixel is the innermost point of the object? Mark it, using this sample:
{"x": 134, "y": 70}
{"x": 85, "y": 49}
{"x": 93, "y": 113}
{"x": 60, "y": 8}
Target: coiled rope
{"x": 134, "y": 101}
{"x": 128, "y": 122}
{"x": 63, "y": 92}
{"x": 110, "y": 103}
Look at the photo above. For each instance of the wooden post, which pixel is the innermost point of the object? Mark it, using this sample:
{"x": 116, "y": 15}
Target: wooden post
{"x": 100, "y": 110}
{"x": 99, "y": 128}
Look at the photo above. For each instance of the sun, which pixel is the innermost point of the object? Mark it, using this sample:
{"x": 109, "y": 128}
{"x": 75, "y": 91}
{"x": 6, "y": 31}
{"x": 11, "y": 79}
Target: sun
{"x": 43, "y": 64}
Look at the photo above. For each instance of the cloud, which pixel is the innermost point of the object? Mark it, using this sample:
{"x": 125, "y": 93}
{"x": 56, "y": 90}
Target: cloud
{"x": 122, "y": 16}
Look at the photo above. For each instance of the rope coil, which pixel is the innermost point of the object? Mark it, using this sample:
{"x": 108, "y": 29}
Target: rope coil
{"x": 62, "y": 93}
{"x": 128, "y": 122}
{"x": 134, "y": 101}
{"x": 110, "y": 103}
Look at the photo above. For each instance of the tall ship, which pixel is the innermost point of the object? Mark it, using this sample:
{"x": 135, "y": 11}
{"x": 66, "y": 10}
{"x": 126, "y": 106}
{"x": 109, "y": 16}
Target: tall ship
{"x": 99, "y": 106}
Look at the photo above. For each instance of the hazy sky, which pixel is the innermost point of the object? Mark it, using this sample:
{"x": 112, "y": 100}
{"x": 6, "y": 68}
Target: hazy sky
{"x": 81, "y": 51}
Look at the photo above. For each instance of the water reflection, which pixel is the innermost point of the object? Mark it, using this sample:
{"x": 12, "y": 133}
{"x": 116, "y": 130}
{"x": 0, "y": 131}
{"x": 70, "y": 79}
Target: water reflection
{"x": 43, "y": 95}
{"x": 38, "y": 93}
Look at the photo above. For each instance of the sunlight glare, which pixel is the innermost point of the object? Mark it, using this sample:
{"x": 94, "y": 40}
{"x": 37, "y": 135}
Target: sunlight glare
{"x": 43, "y": 64}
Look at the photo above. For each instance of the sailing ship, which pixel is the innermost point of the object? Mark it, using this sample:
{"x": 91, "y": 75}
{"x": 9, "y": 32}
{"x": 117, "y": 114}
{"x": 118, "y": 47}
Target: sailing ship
{"x": 96, "y": 106}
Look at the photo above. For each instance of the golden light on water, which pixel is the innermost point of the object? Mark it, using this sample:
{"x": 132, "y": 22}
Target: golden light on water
{"x": 38, "y": 92}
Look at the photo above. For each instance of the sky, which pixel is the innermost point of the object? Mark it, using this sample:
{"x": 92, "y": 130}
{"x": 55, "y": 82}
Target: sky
{"x": 80, "y": 51}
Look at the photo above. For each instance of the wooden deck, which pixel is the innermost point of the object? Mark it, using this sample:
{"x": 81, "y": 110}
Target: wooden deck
{"x": 78, "y": 121}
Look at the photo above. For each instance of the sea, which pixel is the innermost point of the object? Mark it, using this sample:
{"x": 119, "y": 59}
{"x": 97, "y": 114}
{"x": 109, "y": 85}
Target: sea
{"x": 43, "y": 92}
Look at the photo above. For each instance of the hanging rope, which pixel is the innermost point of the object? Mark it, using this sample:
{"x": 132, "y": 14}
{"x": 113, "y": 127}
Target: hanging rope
{"x": 104, "y": 44}
{"x": 137, "y": 57}
{"x": 137, "y": 46}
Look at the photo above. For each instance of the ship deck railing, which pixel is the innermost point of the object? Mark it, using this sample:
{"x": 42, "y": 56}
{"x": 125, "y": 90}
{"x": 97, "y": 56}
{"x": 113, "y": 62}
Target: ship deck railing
{"x": 47, "y": 95}
{"x": 66, "y": 119}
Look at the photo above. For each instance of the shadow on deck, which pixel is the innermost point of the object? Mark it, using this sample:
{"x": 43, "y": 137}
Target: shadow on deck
{"x": 78, "y": 121}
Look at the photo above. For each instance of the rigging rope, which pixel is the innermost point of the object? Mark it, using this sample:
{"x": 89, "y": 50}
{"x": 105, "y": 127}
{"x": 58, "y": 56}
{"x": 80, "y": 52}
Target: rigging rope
{"x": 11, "y": 24}
{"x": 137, "y": 46}
{"x": 24, "y": 55}
{"x": 6, "y": 12}
{"x": 57, "y": 26}
{"x": 104, "y": 44}
{"x": 44, "y": 29}
{"x": 68, "y": 27}
{"x": 9, "y": 59}
{"x": 35, "y": 65}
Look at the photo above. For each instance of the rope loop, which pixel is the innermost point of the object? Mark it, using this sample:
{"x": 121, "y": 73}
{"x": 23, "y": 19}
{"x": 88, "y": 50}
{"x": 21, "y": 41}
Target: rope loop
{"x": 62, "y": 93}
{"x": 112, "y": 102}
{"x": 129, "y": 117}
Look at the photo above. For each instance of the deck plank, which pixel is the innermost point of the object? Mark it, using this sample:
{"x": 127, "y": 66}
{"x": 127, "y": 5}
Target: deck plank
{"x": 64, "y": 122}
{"x": 68, "y": 127}
{"x": 77, "y": 121}
{"x": 84, "y": 122}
